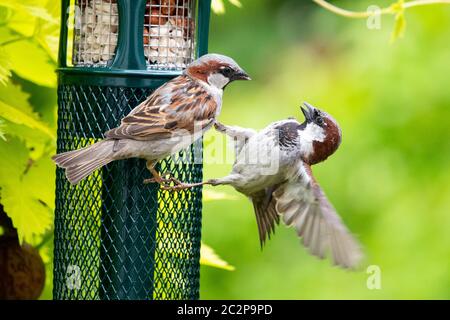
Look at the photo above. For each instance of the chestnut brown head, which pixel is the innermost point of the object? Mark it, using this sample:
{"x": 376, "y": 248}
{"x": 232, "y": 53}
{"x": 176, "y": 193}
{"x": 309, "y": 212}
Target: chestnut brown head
{"x": 320, "y": 135}
{"x": 216, "y": 70}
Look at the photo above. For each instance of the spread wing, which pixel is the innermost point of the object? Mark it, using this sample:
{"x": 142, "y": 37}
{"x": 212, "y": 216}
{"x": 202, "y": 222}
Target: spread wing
{"x": 178, "y": 107}
{"x": 266, "y": 215}
{"x": 302, "y": 204}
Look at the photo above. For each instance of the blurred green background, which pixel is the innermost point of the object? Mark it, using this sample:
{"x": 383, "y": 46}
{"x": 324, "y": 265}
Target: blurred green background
{"x": 389, "y": 180}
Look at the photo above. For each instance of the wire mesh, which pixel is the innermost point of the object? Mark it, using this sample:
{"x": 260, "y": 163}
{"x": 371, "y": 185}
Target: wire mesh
{"x": 116, "y": 238}
{"x": 169, "y": 33}
{"x": 96, "y": 32}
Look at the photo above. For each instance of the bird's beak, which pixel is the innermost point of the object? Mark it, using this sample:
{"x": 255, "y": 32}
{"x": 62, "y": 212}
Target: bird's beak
{"x": 308, "y": 111}
{"x": 241, "y": 75}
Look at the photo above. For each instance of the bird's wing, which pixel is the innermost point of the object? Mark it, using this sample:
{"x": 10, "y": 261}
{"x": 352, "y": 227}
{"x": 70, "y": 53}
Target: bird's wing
{"x": 178, "y": 107}
{"x": 302, "y": 203}
{"x": 266, "y": 216}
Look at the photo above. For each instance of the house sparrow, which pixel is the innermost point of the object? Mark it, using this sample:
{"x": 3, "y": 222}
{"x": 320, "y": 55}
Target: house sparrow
{"x": 171, "y": 119}
{"x": 273, "y": 168}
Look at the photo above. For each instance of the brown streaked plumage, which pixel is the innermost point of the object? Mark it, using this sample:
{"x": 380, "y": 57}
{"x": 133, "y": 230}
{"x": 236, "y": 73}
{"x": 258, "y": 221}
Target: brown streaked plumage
{"x": 162, "y": 115}
{"x": 172, "y": 118}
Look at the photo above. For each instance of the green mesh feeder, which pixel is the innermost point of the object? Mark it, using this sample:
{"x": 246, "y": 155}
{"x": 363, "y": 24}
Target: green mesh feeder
{"x": 115, "y": 237}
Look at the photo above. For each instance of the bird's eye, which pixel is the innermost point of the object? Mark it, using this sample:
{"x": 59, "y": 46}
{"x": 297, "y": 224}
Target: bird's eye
{"x": 227, "y": 71}
{"x": 320, "y": 121}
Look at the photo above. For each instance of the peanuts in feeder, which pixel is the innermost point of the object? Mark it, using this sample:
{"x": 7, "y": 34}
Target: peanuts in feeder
{"x": 168, "y": 29}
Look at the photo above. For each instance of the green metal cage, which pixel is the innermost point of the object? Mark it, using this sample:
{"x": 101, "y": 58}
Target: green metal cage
{"x": 115, "y": 237}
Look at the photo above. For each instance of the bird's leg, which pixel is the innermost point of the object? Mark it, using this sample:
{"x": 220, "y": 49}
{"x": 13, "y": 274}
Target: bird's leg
{"x": 234, "y": 131}
{"x": 214, "y": 182}
{"x": 181, "y": 185}
{"x": 239, "y": 135}
{"x": 156, "y": 176}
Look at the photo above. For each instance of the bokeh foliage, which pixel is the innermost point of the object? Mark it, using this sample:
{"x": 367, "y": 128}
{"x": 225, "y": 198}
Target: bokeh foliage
{"x": 390, "y": 178}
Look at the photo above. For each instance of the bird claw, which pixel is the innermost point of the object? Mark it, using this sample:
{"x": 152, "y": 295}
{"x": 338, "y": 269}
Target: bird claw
{"x": 165, "y": 182}
{"x": 178, "y": 185}
{"x": 162, "y": 179}
{"x": 220, "y": 127}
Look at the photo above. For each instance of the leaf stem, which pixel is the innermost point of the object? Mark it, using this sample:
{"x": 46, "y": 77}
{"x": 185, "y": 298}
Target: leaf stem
{"x": 366, "y": 14}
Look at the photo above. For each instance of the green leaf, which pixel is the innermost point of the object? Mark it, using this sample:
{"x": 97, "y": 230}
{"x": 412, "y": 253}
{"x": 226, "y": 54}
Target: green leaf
{"x": 2, "y": 132}
{"x": 397, "y": 7}
{"x": 218, "y": 6}
{"x": 26, "y": 190}
{"x": 37, "y": 142}
{"x": 15, "y": 108}
{"x": 40, "y": 174}
{"x": 5, "y": 67}
{"x": 31, "y": 62}
{"x": 17, "y": 116}
{"x": 14, "y": 95}
{"x": 30, "y": 7}
{"x": 46, "y": 33}
{"x": 212, "y": 195}
{"x": 48, "y": 37}
{"x": 399, "y": 28}
{"x": 236, "y": 3}
{"x": 5, "y": 14}
{"x": 209, "y": 258}
{"x": 43, "y": 100}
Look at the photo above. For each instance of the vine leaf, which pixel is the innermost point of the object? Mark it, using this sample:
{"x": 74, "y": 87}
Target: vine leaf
{"x": 218, "y": 6}
{"x": 400, "y": 22}
{"x": 14, "y": 107}
{"x": 5, "y": 67}
{"x": 47, "y": 34}
{"x": 236, "y": 3}
{"x": 2, "y": 131}
{"x": 31, "y": 62}
{"x": 16, "y": 116}
{"x": 399, "y": 27}
{"x": 26, "y": 190}
{"x": 30, "y": 7}
{"x": 209, "y": 258}
{"x": 397, "y": 7}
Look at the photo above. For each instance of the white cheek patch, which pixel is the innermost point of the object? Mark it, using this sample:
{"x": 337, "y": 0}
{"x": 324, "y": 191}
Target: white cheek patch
{"x": 313, "y": 132}
{"x": 307, "y": 136}
{"x": 218, "y": 80}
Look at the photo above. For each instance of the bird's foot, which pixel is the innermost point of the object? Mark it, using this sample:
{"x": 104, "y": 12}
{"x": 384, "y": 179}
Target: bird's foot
{"x": 163, "y": 180}
{"x": 182, "y": 186}
{"x": 169, "y": 183}
{"x": 178, "y": 186}
{"x": 220, "y": 127}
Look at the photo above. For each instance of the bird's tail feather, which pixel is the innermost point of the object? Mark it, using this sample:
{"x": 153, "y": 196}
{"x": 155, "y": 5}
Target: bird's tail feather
{"x": 81, "y": 163}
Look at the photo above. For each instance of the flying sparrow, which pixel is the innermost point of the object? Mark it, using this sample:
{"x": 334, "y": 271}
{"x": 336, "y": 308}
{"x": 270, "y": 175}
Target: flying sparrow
{"x": 273, "y": 168}
{"x": 169, "y": 120}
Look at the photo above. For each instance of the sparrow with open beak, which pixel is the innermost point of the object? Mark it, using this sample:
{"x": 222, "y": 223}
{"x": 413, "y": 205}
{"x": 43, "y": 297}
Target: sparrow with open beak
{"x": 273, "y": 168}
{"x": 171, "y": 119}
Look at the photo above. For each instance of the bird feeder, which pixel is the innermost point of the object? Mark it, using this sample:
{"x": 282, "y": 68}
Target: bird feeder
{"x": 116, "y": 237}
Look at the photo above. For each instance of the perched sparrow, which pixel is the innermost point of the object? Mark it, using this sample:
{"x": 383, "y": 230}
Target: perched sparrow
{"x": 273, "y": 168}
{"x": 172, "y": 118}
